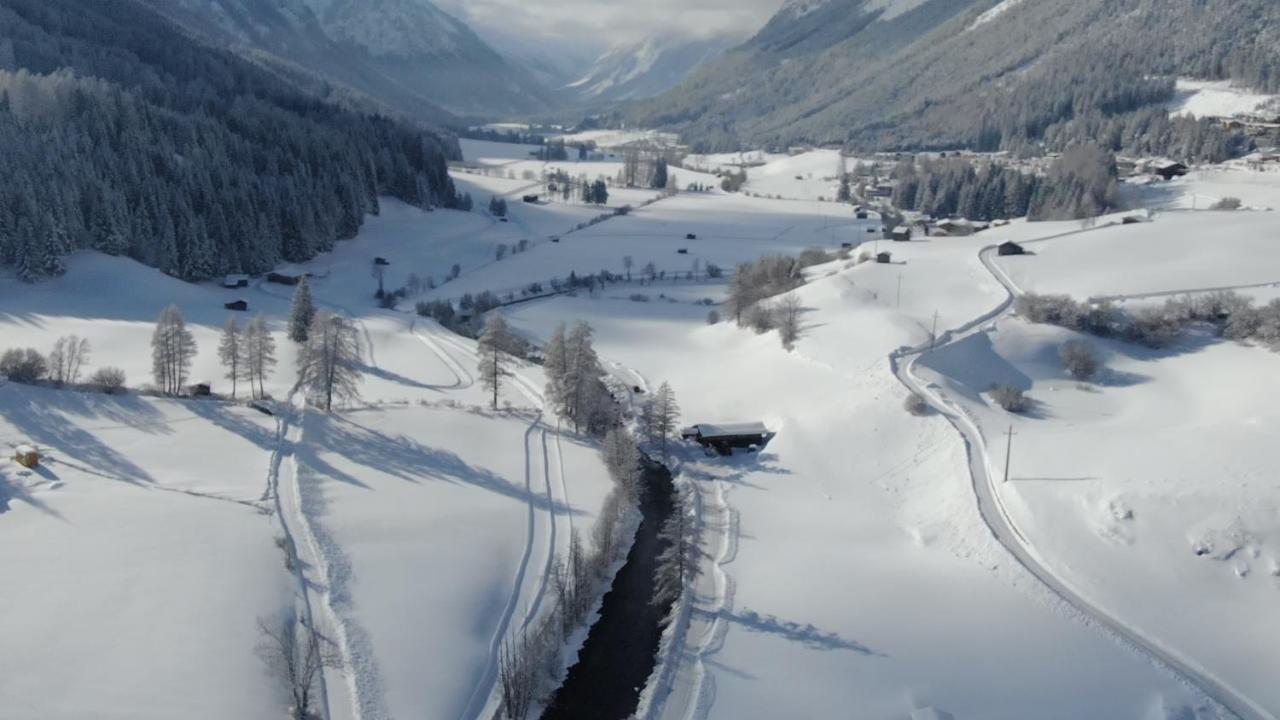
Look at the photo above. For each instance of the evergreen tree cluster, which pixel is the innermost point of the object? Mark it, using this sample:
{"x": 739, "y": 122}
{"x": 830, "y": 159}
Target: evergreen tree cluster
{"x": 953, "y": 186}
{"x": 124, "y": 135}
{"x": 1041, "y": 77}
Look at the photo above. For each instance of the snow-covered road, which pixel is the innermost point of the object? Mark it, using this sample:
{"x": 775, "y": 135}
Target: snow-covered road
{"x": 1006, "y": 531}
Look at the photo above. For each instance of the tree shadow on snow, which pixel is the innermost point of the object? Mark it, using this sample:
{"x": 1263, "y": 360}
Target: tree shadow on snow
{"x": 11, "y": 490}
{"x": 804, "y": 633}
{"x": 40, "y": 417}
{"x": 404, "y": 458}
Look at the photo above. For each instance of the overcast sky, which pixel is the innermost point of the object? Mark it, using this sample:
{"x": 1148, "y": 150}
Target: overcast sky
{"x": 611, "y": 22}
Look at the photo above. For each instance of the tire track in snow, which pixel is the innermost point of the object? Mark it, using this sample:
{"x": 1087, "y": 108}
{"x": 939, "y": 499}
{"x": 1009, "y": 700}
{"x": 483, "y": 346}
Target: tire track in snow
{"x": 1006, "y": 531}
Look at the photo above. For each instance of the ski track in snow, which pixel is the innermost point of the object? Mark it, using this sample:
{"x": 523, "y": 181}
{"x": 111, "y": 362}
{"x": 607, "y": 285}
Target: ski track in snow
{"x": 1006, "y": 531}
{"x": 484, "y": 700}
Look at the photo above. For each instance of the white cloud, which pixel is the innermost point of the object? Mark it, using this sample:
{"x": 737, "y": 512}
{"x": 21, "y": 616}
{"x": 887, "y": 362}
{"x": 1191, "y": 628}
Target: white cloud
{"x": 609, "y": 22}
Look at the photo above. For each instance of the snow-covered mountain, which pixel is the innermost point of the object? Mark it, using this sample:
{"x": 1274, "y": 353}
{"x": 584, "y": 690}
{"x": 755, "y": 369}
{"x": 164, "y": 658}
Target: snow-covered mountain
{"x": 405, "y": 53}
{"x": 961, "y": 73}
{"x": 647, "y": 68}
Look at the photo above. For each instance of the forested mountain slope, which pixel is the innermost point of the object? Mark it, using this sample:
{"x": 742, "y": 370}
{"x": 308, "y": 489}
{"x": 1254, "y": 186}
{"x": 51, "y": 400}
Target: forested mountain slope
{"x": 978, "y": 73}
{"x": 123, "y": 134}
{"x": 406, "y": 53}
{"x": 647, "y": 68}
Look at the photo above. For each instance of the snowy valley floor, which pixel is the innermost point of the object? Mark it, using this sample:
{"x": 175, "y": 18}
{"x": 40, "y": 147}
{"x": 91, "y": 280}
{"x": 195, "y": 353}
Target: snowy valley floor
{"x": 848, "y": 570}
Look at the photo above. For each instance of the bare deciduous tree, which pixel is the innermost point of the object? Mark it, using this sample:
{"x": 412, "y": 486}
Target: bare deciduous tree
{"x": 260, "y": 354}
{"x": 787, "y": 317}
{"x": 516, "y": 679}
{"x": 172, "y": 349}
{"x": 231, "y": 352}
{"x": 69, "y": 356}
{"x": 296, "y": 655}
{"x": 1079, "y": 359}
{"x": 330, "y": 363}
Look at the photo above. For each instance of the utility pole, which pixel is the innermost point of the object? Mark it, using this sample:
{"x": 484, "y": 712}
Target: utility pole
{"x": 1008, "y": 452}
{"x": 900, "y": 290}
{"x": 933, "y": 335}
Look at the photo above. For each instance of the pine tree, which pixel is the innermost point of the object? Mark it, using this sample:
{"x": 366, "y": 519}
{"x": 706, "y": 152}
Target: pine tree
{"x": 493, "y": 347}
{"x": 660, "y": 175}
{"x": 302, "y": 311}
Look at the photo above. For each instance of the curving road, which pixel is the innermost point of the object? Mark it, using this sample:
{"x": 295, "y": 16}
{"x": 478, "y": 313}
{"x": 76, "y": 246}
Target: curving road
{"x": 1006, "y": 530}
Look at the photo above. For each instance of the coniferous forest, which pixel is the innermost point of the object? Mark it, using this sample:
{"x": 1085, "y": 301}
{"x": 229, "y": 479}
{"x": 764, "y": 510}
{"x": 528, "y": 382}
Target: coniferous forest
{"x": 185, "y": 157}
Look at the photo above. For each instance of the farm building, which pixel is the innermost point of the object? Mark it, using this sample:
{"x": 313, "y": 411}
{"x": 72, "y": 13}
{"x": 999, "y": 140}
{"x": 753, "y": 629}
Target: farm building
{"x": 237, "y": 306}
{"x": 381, "y": 262}
{"x": 1011, "y": 248}
{"x": 955, "y": 228}
{"x": 1171, "y": 170}
{"x": 725, "y": 437}
{"x": 26, "y": 456}
{"x": 531, "y": 199}
{"x": 902, "y": 233}
{"x": 235, "y": 281}
{"x": 691, "y": 236}
{"x": 884, "y": 258}
{"x": 201, "y": 390}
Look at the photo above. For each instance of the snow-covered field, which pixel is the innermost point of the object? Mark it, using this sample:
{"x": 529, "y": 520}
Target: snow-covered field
{"x": 1215, "y": 98}
{"x": 849, "y": 568}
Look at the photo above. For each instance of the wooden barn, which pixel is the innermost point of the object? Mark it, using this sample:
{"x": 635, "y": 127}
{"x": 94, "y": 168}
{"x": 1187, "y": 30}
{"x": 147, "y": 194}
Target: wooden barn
{"x": 1171, "y": 170}
{"x": 531, "y": 199}
{"x": 902, "y": 233}
{"x": 381, "y": 262}
{"x": 283, "y": 279}
{"x": 1011, "y": 248}
{"x": 725, "y": 437}
{"x": 237, "y": 306}
{"x": 884, "y": 258}
{"x": 27, "y": 456}
{"x": 233, "y": 282}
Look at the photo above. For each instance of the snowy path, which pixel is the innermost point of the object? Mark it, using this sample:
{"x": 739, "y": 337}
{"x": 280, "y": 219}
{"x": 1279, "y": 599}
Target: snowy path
{"x": 682, "y": 688}
{"x": 1006, "y": 531}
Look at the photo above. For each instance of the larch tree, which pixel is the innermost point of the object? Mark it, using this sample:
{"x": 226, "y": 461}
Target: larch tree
{"x": 172, "y": 349}
{"x": 231, "y": 352}
{"x": 554, "y": 362}
{"x": 581, "y": 372}
{"x": 678, "y": 560}
{"x": 622, "y": 460}
{"x": 260, "y": 354}
{"x": 301, "y": 312}
{"x": 329, "y": 366}
{"x": 494, "y": 350}
{"x": 663, "y": 417}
